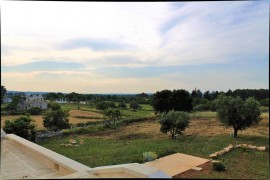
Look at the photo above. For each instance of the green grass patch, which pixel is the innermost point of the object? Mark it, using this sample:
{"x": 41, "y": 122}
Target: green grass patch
{"x": 75, "y": 106}
{"x": 137, "y": 113}
{"x": 88, "y": 117}
{"x": 101, "y": 152}
{"x": 264, "y": 109}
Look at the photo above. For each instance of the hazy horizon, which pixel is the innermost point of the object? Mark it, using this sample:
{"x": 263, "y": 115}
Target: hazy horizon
{"x": 130, "y": 48}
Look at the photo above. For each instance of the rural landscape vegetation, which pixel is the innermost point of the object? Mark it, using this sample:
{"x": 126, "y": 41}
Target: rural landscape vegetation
{"x": 117, "y": 129}
{"x": 130, "y": 82}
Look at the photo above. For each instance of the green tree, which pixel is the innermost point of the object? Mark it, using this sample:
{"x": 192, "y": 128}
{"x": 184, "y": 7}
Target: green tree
{"x": 237, "y": 113}
{"x": 162, "y": 101}
{"x": 207, "y": 95}
{"x": 102, "y": 105}
{"x": 14, "y": 103}
{"x": 22, "y": 126}
{"x": 177, "y": 100}
{"x": 122, "y": 105}
{"x": 35, "y": 111}
{"x": 112, "y": 105}
{"x": 134, "y": 105}
{"x": 196, "y": 93}
{"x": 174, "y": 122}
{"x": 3, "y": 92}
{"x": 113, "y": 114}
{"x": 56, "y": 119}
{"x": 54, "y": 106}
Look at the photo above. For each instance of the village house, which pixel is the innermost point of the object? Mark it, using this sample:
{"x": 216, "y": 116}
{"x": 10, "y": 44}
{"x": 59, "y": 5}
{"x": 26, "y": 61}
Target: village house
{"x": 7, "y": 98}
{"x": 61, "y": 100}
{"x": 32, "y": 101}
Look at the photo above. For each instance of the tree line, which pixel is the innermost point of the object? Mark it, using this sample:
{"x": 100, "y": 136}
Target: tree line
{"x": 258, "y": 94}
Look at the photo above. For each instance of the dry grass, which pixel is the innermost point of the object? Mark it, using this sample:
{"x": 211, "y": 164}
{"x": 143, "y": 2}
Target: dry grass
{"x": 84, "y": 113}
{"x": 201, "y": 127}
{"x": 39, "y": 121}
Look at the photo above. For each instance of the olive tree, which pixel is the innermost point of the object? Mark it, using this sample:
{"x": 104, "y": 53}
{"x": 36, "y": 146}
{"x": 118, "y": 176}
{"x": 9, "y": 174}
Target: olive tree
{"x": 174, "y": 122}
{"x": 237, "y": 113}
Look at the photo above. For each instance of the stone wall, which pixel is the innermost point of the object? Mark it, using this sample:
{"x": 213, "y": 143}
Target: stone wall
{"x": 43, "y": 135}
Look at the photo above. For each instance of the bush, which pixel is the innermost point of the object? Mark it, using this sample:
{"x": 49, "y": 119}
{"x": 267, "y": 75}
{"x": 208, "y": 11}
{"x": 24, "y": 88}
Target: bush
{"x": 35, "y": 111}
{"x": 134, "y": 105}
{"x": 102, "y": 105}
{"x": 149, "y": 156}
{"x": 22, "y": 126}
{"x": 212, "y": 106}
{"x": 54, "y": 106}
{"x": 122, "y": 105}
{"x": 264, "y": 102}
{"x": 218, "y": 166}
{"x": 201, "y": 107}
{"x": 56, "y": 120}
{"x": 198, "y": 101}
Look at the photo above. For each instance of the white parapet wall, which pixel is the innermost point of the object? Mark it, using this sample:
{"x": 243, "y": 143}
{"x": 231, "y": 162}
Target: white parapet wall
{"x": 54, "y": 160}
{"x": 68, "y": 168}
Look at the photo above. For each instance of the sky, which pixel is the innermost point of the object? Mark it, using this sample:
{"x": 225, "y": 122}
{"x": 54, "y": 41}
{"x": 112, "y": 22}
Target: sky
{"x": 134, "y": 47}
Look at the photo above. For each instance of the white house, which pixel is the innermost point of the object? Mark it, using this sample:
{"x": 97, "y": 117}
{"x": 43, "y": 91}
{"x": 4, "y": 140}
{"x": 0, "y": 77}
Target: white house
{"x": 61, "y": 100}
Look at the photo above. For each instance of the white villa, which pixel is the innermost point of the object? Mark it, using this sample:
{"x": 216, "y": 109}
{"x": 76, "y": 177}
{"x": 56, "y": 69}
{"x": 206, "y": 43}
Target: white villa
{"x": 61, "y": 100}
{"x": 32, "y": 101}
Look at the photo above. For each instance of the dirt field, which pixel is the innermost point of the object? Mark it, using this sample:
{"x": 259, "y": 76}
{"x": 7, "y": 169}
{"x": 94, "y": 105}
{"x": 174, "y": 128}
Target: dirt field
{"x": 202, "y": 127}
{"x": 84, "y": 113}
{"x": 39, "y": 121}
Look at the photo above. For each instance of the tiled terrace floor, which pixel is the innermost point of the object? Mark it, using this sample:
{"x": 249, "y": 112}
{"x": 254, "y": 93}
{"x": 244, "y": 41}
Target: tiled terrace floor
{"x": 18, "y": 164}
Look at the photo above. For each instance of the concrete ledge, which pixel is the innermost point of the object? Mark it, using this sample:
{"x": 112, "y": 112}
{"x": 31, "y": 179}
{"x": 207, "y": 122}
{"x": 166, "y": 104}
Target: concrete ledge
{"x": 60, "y": 162}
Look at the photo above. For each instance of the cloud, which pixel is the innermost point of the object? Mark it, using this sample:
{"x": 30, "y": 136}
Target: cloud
{"x": 94, "y": 44}
{"x": 42, "y": 65}
{"x": 97, "y": 45}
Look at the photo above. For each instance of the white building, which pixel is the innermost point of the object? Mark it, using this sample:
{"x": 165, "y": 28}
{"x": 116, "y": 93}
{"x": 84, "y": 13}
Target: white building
{"x": 61, "y": 100}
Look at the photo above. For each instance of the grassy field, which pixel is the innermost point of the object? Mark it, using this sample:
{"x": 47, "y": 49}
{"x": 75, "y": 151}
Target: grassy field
{"x": 204, "y": 136}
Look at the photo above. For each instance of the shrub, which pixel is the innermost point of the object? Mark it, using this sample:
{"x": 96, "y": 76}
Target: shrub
{"x": 35, "y": 111}
{"x": 112, "y": 105}
{"x": 122, "y": 105}
{"x": 56, "y": 120}
{"x": 264, "y": 102}
{"x": 218, "y": 166}
{"x": 113, "y": 114}
{"x": 102, "y": 106}
{"x": 201, "y": 107}
{"x": 134, "y": 105}
{"x": 149, "y": 156}
{"x": 54, "y": 106}
{"x": 22, "y": 126}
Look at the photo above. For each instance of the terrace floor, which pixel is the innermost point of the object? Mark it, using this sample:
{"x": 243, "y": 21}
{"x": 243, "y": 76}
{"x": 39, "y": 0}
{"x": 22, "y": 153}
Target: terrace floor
{"x": 16, "y": 163}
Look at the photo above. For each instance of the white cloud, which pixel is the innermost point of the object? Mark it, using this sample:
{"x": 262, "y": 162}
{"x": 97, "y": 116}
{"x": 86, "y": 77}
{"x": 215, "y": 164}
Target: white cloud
{"x": 160, "y": 34}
